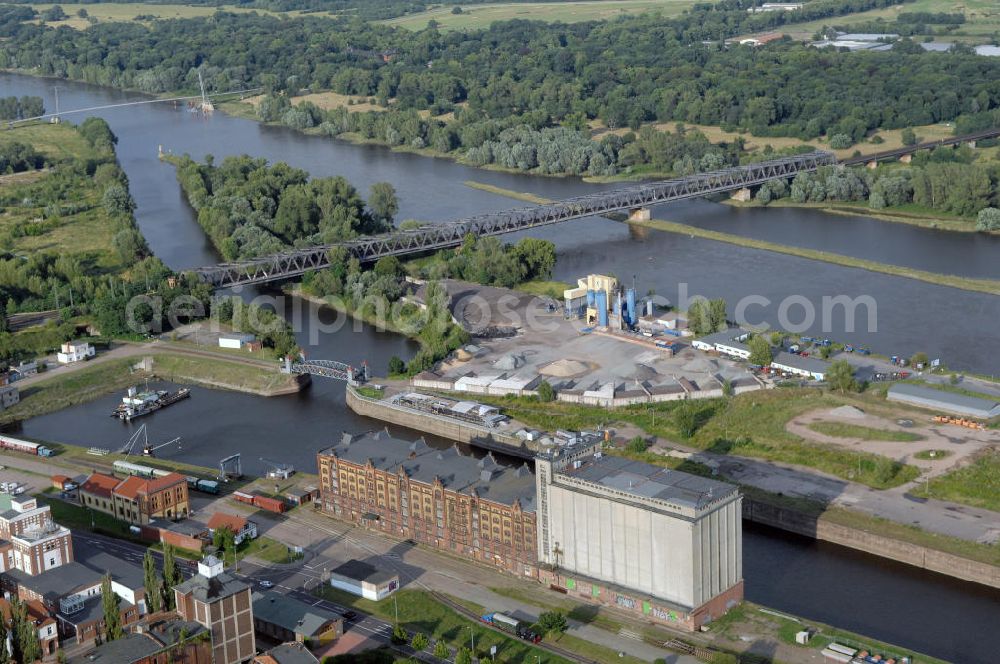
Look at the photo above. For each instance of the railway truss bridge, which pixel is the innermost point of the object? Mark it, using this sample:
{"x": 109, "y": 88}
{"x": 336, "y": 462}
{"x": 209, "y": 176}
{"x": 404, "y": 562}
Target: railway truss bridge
{"x": 636, "y": 199}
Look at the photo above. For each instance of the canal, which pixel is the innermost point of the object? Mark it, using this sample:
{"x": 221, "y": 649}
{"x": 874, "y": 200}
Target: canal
{"x": 924, "y": 611}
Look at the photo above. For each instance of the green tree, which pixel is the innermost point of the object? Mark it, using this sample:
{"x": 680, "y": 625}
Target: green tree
{"x": 908, "y": 136}
{"x": 171, "y": 577}
{"x": 396, "y": 366}
{"x": 111, "y": 603}
{"x": 399, "y": 635}
{"x": 4, "y": 654}
{"x": 699, "y": 321}
{"x": 224, "y": 540}
{"x": 441, "y": 650}
{"x": 152, "y": 583}
{"x": 840, "y": 376}
{"x": 717, "y": 315}
{"x": 419, "y": 641}
{"x": 382, "y": 201}
{"x": 545, "y": 392}
{"x": 463, "y": 656}
{"x": 760, "y": 351}
{"x": 117, "y": 200}
{"x": 24, "y": 638}
{"x": 552, "y": 622}
{"x": 536, "y": 256}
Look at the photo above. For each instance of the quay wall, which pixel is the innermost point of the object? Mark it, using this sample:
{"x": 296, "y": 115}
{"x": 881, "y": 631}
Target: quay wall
{"x": 870, "y": 542}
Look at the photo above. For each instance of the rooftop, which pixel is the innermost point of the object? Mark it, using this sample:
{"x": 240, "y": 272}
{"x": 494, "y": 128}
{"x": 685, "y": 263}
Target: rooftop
{"x": 100, "y": 484}
{"x": 645, "y": 480}
{"x": 359, "y": 570}
{"x": 287, "y": 653}
{"x": 58, "y": 582}
{"x": 799, "y": 362}
{"x": 454, "y": 469}
{"x": 210, "y": 590}
{"x": 988, "y": 407}
{"x": 222, "y": 520}
{"x": 291, "y": 614}
{"x": 131, "y": 648}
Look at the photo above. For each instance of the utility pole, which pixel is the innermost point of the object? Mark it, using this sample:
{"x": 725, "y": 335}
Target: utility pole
{"x": 55, "y": 89}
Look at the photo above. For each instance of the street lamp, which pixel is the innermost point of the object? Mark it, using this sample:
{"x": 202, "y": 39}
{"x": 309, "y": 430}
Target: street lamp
{"x": 472, "y": 635}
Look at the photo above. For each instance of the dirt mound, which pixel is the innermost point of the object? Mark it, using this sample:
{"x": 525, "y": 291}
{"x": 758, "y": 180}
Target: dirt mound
{"x": 850, "y": 412}
{"x": 565, "y": 368}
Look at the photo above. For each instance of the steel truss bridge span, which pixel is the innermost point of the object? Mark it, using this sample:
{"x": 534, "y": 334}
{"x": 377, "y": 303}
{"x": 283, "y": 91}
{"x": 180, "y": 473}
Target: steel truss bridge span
{"x": 451, "y": 234}
{"x": 328, "y": 369}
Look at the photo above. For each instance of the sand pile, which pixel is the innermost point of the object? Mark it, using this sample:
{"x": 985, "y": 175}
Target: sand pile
{"x": 564, "y": 368}
{"x": 850, "y": 412}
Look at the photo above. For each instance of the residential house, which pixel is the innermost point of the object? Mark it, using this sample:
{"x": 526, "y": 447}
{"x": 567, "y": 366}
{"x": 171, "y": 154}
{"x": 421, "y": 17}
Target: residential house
{"x": 242, "y": 527}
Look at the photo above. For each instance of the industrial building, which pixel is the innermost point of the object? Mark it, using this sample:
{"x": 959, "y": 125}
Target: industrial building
{"x": 949, "y": 402}
{"x": 364, "y": 580}
{"x": 730, "y": 342}
{"x": 799, "y": 365}
{"x": 665, "y": 544}
{"x": 285, "y": 619}
{"x": 222, "y": 604}
{"x": 443, "y": 498}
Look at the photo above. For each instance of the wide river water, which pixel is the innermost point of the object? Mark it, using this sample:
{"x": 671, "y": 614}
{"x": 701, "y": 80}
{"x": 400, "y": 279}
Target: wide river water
{"x": 896, "y": 603}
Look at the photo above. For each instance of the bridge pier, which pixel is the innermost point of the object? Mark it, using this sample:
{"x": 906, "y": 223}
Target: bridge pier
{"x": 872, "y": 165}
{"x": 639, "y": 214}
{"x": 906, "y": 158}
{"x": 971, "y": 144}
{"x": 744, "y": 195}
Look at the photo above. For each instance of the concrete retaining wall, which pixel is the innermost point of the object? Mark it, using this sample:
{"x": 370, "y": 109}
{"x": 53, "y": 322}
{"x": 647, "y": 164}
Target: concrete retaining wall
{"x": 875, "y": 544}
{"x": 463, "y": 432}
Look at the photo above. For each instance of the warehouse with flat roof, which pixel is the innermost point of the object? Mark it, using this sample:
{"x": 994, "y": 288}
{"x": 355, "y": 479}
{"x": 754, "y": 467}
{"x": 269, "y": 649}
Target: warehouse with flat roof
{"x": 949, "y": 402}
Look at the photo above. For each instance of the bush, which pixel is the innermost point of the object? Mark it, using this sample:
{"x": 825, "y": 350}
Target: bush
{"x": 988, "y": 219}
{"x": 545, "y": 391}
{"x": 840, "y": 141}
{"x": 396, "y": 366}
{"x": 636, "y": 445}
{"x": 456, "y": 10}
{"x": 419, "y": 641}
{"x": 399, "y": 635}
{"x": 441, "y": 650}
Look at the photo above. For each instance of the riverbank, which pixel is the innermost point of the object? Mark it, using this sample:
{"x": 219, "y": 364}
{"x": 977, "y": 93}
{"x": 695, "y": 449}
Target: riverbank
{"x": 910, "y": 214}
{"x": 989, "y": 286}
{"x": 48, "y": 394}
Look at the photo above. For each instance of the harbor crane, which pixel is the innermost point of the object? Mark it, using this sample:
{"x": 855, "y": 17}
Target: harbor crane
{"x": 147, "y": 448}
{"x": 278, "y": 471}
{"x": 230, "y": 468}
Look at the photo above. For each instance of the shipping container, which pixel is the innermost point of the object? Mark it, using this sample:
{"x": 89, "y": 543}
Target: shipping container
{"x": 270, "y": 504}
{"x": 243, "y": 497}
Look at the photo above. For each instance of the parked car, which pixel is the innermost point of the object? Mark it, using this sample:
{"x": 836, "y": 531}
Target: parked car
{"x": 264, "y": 583}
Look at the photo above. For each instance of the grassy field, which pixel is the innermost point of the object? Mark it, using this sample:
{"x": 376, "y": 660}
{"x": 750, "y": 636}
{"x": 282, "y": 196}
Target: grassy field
{"x": 750, "y": 424}
{"x": 481, "y": 16}
{"x": 982, "y": 17}
{"x": 977, "y": 484}
{"x": 912, "y": 214}
{"x": 220, "y": 373}
{"x": 418, "y": 611}
{"x": 553, "y": 289}
{"x": 845, "y": 430}
{"x": 76, "y": 224}
{"x": 892, "y": 138}
{"x": 268, "y": 550}
{"x": 114, "y": 11}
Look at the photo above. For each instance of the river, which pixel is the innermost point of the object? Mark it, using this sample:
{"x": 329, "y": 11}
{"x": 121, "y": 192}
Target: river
{"x": 920, "y": 610}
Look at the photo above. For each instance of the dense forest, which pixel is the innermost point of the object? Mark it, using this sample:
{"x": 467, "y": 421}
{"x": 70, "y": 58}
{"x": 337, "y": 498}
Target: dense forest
{"x": 624, "y": 72}
{"x": 944, "y": 180}
{"x": 249, "y": 208}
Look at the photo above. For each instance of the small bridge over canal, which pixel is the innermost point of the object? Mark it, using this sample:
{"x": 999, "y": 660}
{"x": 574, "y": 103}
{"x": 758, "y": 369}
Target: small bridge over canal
{"x": 327, "y": 369}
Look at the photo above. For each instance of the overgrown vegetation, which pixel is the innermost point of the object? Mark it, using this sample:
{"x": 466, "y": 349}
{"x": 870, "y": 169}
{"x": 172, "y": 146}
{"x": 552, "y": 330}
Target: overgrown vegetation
{"x": 249, "y": 208}
{"x": 750, "y": 424}
{"x": 976, "y": 484}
